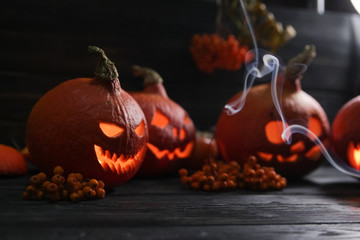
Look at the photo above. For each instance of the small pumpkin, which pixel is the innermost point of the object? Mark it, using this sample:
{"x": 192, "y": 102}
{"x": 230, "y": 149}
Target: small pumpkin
{"x": 12, "y": 162}
{"x": 171, "y": 131}
{"x": 205, "y": 148}
{"x": 345, "y": 134}
{"x": 256, "y": 129}
{"x": 89, "y": 125}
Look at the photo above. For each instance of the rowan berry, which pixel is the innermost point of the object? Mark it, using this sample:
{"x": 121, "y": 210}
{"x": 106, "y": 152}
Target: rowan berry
{"x": 183, "y": 172}
{"x": 58, "y": 170}
{"x": 52, "y": 188}
{"x": 93, "y": 183}
{"x": 58, "y": 179}
{"x": 74, "y": 197}
{"x": 100, "y": 193}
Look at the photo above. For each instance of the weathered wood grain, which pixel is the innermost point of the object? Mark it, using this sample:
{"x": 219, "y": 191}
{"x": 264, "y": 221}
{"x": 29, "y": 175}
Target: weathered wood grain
{"x": 326, "y": 204}
{"x": 244, "y": 232}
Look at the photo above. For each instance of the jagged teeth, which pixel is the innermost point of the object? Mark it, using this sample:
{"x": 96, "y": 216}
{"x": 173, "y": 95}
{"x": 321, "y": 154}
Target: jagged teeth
{"x": 120, "y": 165}
{"x": 115, "y": 158}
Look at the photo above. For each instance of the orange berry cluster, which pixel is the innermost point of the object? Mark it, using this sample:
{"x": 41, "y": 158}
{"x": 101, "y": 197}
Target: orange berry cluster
{"x": 212, "y": 51}
{"x": 73, "y": 187}
{"x": 218, "y": 175}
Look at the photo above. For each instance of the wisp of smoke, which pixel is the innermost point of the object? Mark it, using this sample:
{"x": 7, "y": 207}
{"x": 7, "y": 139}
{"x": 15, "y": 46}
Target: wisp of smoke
{"x": 257, "y": 70}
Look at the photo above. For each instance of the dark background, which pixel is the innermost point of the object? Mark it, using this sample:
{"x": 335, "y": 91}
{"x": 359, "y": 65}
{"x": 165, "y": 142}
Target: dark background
{"x": 44, "y": 43}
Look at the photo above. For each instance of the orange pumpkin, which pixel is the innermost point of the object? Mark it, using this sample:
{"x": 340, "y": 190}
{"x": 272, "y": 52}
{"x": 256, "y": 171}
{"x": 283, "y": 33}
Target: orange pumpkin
{"x": 89, "y": 125}
{"x": 171, "y": 131}
{"x": 205, "y": 148}
{"x": 12, "y": 161}
{"x": 345, "y": 134}
{"x": 256, "y": 129}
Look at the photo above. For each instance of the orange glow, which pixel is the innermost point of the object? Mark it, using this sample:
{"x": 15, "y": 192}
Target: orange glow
{"x": 182, "y": 134}
{"x": 118, "y": 164}
{"x": 140, "y": 129}
{"x": 273, "y": 131}
{"x": 314, "y": 153}
{"x": 292, "y": 158}
{"x": 175, "y": 131}
{"x": 354, "y": 155}
{"x": 315, "y": 127}
{"x": 265, "y": 156}
{"x": 297, "y": 147}
{"x": 159, "y": 119}
{"x": 186, "y": 152}
{"x": 110, "y": 129}
{"x": 171, "y": 155}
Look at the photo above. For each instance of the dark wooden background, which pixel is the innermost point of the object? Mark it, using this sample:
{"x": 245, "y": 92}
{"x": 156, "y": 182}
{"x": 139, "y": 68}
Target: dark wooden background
{"x": 45, "y": 43}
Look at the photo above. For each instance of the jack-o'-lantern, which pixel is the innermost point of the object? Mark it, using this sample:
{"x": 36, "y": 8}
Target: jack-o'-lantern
{"x": 345, "y": 134}
{"x": 171, "y": 131}
{"x": 256, "y": 129}
{"x": 89, "y": 125}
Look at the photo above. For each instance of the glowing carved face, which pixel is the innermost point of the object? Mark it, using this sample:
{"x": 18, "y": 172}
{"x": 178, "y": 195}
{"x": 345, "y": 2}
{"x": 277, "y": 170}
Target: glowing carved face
{"x": 162, "y": 123}
{"x": 273, "y": 131}
{"x": 115, "y": 161}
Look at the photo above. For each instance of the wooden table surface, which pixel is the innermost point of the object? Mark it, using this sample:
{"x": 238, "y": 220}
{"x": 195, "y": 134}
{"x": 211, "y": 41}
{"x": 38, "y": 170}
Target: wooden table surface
{"x": 325, "y": 205}
{"x": 45, "y": 43}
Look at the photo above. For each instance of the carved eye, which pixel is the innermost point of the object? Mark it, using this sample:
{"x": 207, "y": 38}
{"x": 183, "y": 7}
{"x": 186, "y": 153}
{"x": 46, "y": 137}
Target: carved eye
{"x": 315, "y": 127}
{"x": 182, "y": 134}
{"x": 273, "y": 131}
{"x": 140, "y": 129}
{"x": 159, "y": 119}
{"x": 110, "y": 129}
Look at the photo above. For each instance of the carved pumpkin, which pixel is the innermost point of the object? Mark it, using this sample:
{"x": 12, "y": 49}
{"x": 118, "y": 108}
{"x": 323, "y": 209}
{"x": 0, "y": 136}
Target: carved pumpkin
{"x": 345, "y": 135}
{"x": 89, "y": 125}
{"x": 171, "y": 131}
{"x": 256, "y": 129}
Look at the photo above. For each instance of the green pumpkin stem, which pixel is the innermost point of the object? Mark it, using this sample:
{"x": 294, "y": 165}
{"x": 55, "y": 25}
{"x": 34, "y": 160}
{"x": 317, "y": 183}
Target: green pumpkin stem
{"x": 296, "y": 66}
{"x": 105, "y": 69}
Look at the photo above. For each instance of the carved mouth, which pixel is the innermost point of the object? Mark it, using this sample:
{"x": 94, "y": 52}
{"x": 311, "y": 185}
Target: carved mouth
{"x": 171, "y": 154}
{"x": 313, "y": 154}
{"x": 122, "y": 164}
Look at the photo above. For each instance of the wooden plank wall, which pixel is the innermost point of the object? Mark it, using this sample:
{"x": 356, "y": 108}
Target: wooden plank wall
{"x": 45, "y": 43}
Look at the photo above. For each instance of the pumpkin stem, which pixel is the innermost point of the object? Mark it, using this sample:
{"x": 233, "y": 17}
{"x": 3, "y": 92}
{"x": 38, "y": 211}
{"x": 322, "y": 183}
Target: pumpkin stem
{"x": 105, "y": 69}
{"x": 150, "y": 75}
{"x": 153, "y": 82}
{"x": 297, "y": 66}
